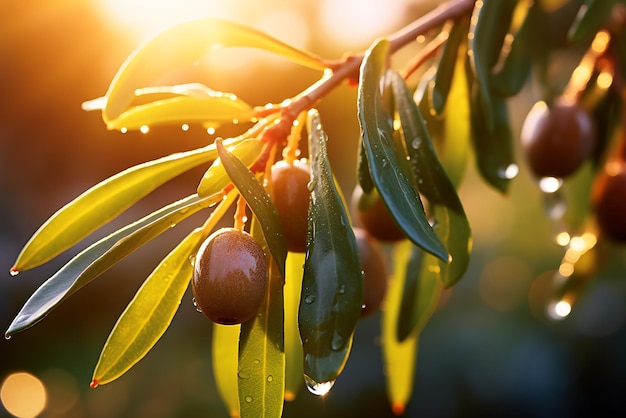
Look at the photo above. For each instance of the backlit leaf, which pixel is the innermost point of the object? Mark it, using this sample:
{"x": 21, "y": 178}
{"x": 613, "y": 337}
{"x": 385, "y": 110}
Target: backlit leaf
{"x": 394, "y": 187}
{"x": 184, "y": 44}
{"x": 259, "y": 202}
{"x": 294, "y": 356}
{"x": 332, "y": 286}
{"x": 102, "y": 255}
{"x": 225, "y": 363}
{"x": 152, "y": 309}
{"x": 105, "y": 201}
{"x": 261, "y": 349}
{"x": 399, "y": 358}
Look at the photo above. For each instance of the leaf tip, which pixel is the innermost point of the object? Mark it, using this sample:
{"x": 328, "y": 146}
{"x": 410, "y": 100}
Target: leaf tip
{"x": 14, "y": 271}
{"x": 398, "y": 408}
{"x": 94, "y": 384}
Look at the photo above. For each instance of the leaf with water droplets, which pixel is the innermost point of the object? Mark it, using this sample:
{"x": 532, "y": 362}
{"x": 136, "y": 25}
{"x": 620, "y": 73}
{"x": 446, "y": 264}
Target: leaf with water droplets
{"x": 327, "y": 318}
{"x": 394, "y": 187}
{"x": 399, "y": 357}
{"x": 261, "y": 349}
{"x": 259, "y": 202}
{"x": 216, "y": 178}
{"x": 172, "y": 49}
{"x": 431, "y": 180}
{"x": 149, "y": 314}
{"x": 102, "y": 255}
{"x": 103, "y": 202}
{"x": 294, "y": 356}
{"x": 225, "y": 364}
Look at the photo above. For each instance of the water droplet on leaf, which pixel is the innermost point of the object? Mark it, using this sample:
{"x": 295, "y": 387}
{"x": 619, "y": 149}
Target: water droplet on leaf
{"x": 309, "y": 299}
{"x": 249, "y": 399}
{"x": 337, "y": 342}
{"x": 243, "y": 374}
{"x": 14, "y": 272}
{"x": 319, "y": 389}
{"x": 416, "y": 143}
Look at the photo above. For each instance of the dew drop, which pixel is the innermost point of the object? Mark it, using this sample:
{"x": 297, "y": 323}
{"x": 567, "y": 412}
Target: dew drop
{"x": 14, "y": 272}
{"x": 309, "y": 299}
{"x": 195, "y": 305}
{"x": 550, "y": 184}
{"x": 342, "y": 289}
{"x": 385, "y": 163}
{"x": 509, "y": 172}
{"x": 270, "y": 378}
{"x": 337, "y": 342}
{"x": 319, "y": 389}
{"x": 7, "y": 336}
{"x": 311, "y": 185}
{"x": 256, "y": 361}
{"x": 249, "y": 399}
{"x": 93, "y": 384}
{"x": 192, "y": 260}
{"x": 243, "y": 374}
{"x": 416, "y": 143}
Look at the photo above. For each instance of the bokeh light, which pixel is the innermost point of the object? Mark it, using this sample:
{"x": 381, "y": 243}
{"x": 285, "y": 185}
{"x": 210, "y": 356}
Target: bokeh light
{"x": 23, "y": 395}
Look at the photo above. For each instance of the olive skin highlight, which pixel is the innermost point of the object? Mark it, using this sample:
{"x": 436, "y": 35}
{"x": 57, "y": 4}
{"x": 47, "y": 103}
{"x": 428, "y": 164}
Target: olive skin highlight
{"x": 230, "y": 277}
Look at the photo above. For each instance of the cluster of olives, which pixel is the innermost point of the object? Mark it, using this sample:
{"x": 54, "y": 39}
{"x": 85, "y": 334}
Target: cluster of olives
{"x": 557, "y": 139}
{"x": 230, "y": 274}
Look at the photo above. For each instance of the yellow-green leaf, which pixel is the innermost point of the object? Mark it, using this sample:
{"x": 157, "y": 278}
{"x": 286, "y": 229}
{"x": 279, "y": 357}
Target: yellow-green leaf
{"x": 152, "y": 309}
{"x": 216, "y": 178}
{"x": 261, "y": 348}
{"x": 183, "y": 44}
{"x": 225, "y": 361}
{"x": 215, "y": 109}
{"x": 399, "y": 358}
{"x": 294, "y": 357}
{"x": 103, "y": 202}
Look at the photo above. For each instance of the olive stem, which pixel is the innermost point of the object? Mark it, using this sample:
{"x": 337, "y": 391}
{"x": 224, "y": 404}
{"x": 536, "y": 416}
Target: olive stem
{"x": 348, "y": 67}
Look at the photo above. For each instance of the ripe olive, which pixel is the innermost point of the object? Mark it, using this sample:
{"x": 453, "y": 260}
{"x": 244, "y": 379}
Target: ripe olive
{"x": 609, "y": 189}
{"x": 372, "y": 215}
{"x": 230, "y": 277}
{"x": 375, "y": 271}
{"x": 557, "y": 139}
{"x": 290, "y": 195}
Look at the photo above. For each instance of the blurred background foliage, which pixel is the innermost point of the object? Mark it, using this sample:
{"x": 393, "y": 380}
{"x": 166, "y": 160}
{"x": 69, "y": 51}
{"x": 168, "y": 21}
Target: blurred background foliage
{"x": 489, "y": 350}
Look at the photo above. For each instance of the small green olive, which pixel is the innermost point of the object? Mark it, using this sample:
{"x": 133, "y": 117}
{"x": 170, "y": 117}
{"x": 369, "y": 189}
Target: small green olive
{"x": 375, "y": 271}
{"x": 290, "y": 195}
{"x": 230, "y": 277}
{"x": 557, "y": 139}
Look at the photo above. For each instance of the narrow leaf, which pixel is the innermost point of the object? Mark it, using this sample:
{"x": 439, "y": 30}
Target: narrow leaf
{"x": 215, "y": 177}
{"x": 152, "y": 309}
{"x": 453, "y": 227}
{"x": 100, "y": 256}
{"x": 592, "y": 15}
{"x": 399, "y": 357}
{"x": 261, "y": 350}
{"x": 394, "y": 187}
{"x": 225, "y": 363}
{"x": 215, "y": 109}
{"x": 332, "y": 286}
{"x": 294, "y": 356}
{"x": 183, "y": 44}
{"x": 103, "y": 202}
{"x": 259, "y": 202}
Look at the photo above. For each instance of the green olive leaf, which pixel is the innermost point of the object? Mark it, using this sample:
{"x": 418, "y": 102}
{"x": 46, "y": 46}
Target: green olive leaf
{"x": 103, "y": 202}
{"x": 294, "y": 357}
{"x": 453, "y": 227}
{"x": 394, "y": 187}
{"x": 332, "y": 285}
{"x": 493, "y": 148}
{"x": 447, "y": 61}
{"x": 592, "y": 15}
{"x": 399, "y": 357}
{"x": 149, "y": 314}
{"x": 172, "y": 48}
{"x": 215, "y": 177}
{"x": 225, "y": 364}
{"x": 259, "y": 202}
{"x": 102, "y": 255}
{"x": 491, "y": 20}
{"x": 215, "y": 109}
{"x": 261, "y": 373}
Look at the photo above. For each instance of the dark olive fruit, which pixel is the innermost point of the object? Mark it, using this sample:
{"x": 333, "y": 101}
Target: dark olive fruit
{"x": 230, "y": 277}
{"x": 557, "y": 139}
{"x": 372, "y": 215}
{"x": 609, "y": 200}
{"x": 290, "y": 195}
{"x": 375, "y": 271}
